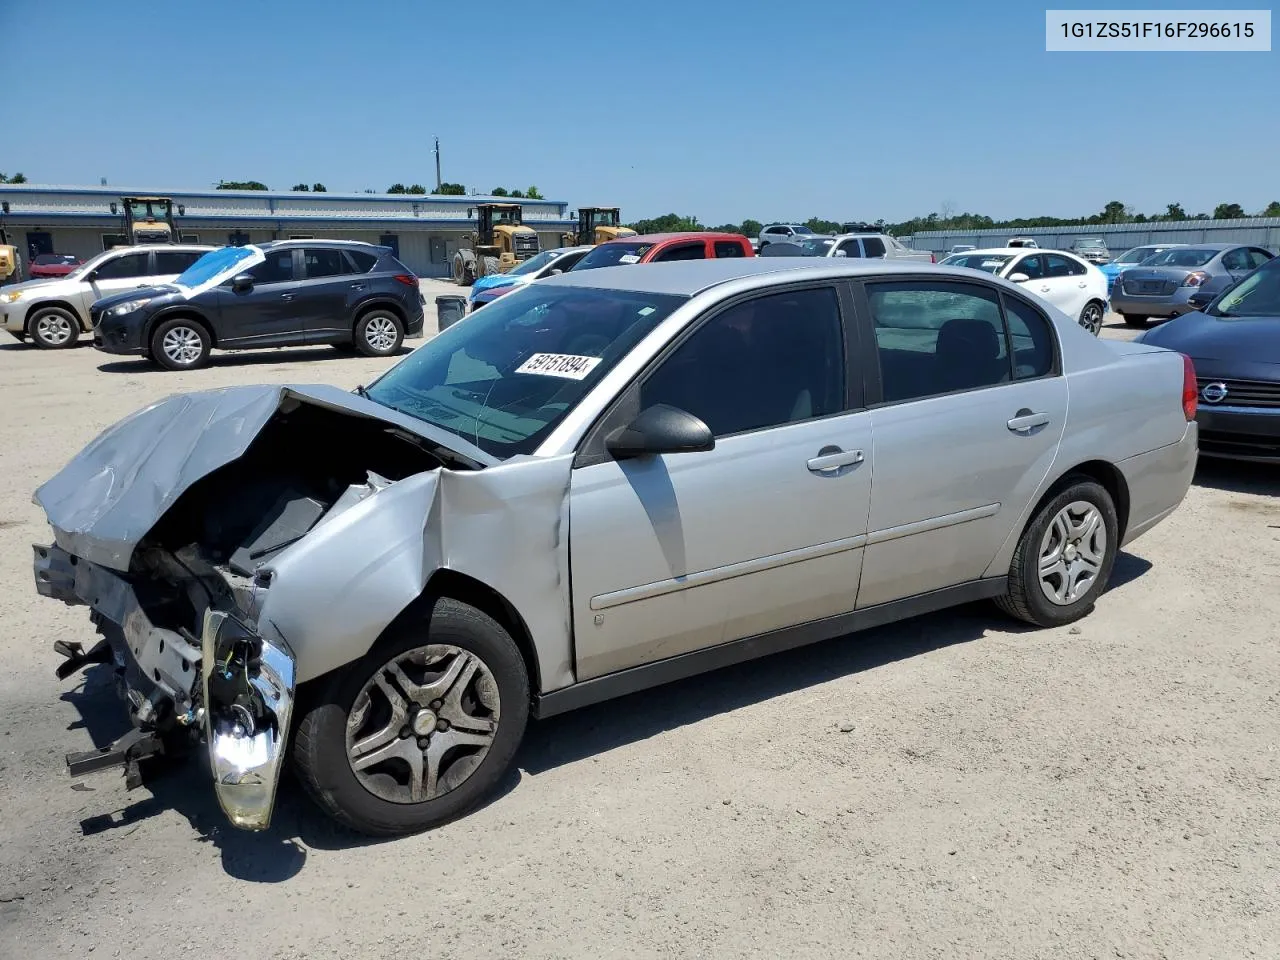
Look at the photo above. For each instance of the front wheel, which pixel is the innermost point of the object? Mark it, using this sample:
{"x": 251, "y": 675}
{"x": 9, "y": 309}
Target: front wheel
{"x": 1091, "y": 317}
{"x": 1063, "y": 561}
{"x": 180, "y": 344}
{"x": 421, "y": 729}
{"x": 54, "y": 328}
{"x": 379, "y": 333}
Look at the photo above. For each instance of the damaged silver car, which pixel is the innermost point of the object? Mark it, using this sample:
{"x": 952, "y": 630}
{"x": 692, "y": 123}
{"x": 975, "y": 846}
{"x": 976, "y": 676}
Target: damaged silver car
{"x": 597, "y": 484}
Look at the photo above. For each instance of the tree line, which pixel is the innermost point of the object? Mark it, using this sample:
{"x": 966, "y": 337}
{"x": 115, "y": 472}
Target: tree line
{"x": 417, "y": 189}
{"x": 1113, "y": 212}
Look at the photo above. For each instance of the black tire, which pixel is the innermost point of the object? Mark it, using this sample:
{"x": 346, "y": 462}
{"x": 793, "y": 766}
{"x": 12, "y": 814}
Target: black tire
{"x": 379, "y": 333}
{"x": 1026, "y": 599}
{"x": 53, "y": 328}
{"x": 180, "y": 344}
{"x": 492, "y": 265}
{"x": 1091, "y": 317}
{"x": 1133, "y": 320}
{"x": 320, "y": 745}
{"x": 464, "y": 271}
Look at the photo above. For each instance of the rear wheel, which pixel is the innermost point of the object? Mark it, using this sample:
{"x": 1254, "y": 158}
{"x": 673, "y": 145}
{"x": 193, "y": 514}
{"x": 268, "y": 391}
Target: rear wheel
{"x": 379, "y": 333}
{"x": 1063, "y": 561}
{"x": 491, "y": 266}
{"x": 1091, "y": 317}
{"x": 54, "y": 328}
{"x": 421, "y": 729}
{"x": 1133, "y": 320}
{"x": 180, "y": 344}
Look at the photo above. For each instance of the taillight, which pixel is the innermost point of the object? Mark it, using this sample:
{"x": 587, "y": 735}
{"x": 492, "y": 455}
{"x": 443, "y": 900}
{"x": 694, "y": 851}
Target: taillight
{"x": 1195, "y": 279}
{"x": 408, "y": 279}
{"x": 1189, "y": 391}
{"x": 932, "y": 258}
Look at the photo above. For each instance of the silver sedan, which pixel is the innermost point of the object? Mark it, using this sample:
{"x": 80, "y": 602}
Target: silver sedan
{"x": 600, "y": 483}
{"x": 1162, "y": 285}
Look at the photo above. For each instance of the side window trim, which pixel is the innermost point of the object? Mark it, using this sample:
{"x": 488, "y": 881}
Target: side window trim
{"x": 591, "y": 447}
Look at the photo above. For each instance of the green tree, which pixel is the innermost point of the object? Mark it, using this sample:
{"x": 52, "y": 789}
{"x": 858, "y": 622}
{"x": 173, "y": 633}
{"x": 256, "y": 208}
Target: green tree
{"x": 518, "y": 194}
{"x": 242, "y": 185}
{"x": 498, "y": 192}
{"x": 397, "y": 188}
{"x": 1228, "y": 211}
{"x": 16, "y": 178}
{"x": 667, "y": 223}
{"x": 1272, "y": 209}
{"x": 533, "y": 194}
{"x": 728, "y": 228}
{"x": 1114, "y": 212}
{"x": 1174, "y": 211}
{"x": 450, "y": 190}
{"x": 416, "y": 189}
{"x": 300, "y": 188}
{"x": 751, "y": 228}
{"x": 818, "y": 225}
{"x": 319, "y": 188}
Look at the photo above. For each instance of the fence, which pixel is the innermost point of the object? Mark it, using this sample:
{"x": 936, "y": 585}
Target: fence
{"x": 1260, "y": 231}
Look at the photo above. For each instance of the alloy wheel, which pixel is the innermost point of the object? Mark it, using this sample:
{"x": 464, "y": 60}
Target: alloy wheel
{"x": 53, "y": 329}
{"x": 423, "y": 723}
{"x": 1091, "y": 318}
{"x": 182, "y": 345}
{"x": 1072, "y": 552}
{"x": 380, "y": 334}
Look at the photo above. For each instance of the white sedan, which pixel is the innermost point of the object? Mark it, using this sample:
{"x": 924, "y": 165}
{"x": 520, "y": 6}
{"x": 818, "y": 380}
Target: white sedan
{"x": 1070, "y": 283}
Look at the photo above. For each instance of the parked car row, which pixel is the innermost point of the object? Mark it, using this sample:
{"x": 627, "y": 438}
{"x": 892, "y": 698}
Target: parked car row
{"x": 173, "y": 304}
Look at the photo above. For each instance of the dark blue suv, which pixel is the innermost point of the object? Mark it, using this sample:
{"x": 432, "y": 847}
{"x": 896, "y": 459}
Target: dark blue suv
{"x": 353, "y": 295}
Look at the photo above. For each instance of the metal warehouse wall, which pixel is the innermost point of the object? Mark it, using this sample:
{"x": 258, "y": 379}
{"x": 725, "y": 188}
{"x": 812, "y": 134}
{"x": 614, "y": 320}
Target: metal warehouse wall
{"x": 1262, "y": 231}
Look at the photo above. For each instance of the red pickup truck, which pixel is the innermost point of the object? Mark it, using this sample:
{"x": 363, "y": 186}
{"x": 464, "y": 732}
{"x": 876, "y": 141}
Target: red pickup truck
{"x": 664, "y": 247}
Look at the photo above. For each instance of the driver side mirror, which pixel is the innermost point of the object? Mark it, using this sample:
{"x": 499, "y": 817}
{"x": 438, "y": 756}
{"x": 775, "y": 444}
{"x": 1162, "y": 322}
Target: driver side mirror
{"x": 841, "y": 253}
{"x": 556, "y": 272}
{"x": 242, "y": 283}
{"x": 659, "y": 429}
{"x": 1019, "y": 277}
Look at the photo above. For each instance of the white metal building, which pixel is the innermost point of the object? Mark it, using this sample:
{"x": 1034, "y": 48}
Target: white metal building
{"x": 424, "y": 230}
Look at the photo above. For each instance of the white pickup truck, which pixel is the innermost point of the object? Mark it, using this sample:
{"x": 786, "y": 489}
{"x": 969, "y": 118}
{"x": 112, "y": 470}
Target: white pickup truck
{"x": 872, "y": 246}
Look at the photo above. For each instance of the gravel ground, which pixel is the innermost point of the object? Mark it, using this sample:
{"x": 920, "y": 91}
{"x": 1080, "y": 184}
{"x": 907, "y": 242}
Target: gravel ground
{"x": 952, "y": 786}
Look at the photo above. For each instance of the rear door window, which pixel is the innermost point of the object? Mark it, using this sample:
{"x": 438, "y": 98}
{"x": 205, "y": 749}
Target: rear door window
{"x": 175, "y": 261}
{"x": 324, "y": 262}
{"x": 729, "y": 248}
{"x": 873, "y": 247}
{"x": 1057, "y": 265}
{"x": 1258, "y": 257}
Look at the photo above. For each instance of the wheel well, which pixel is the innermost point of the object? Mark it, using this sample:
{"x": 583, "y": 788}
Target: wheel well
{"x": 180, "y": 315}
{"x": 386, "y": 305}
{"x": 46, "y": 304}
{"x": 1111, "y": 479}
{"x": 459, "y": 586}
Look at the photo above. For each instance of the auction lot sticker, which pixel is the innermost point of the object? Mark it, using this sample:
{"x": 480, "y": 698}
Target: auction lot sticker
{"x": 1170, "y": 31}
{"x": 564, "y": 365}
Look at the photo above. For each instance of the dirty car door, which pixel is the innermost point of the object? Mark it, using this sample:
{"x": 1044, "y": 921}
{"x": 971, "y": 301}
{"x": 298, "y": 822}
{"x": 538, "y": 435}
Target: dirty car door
{"x": 673, "y": 553}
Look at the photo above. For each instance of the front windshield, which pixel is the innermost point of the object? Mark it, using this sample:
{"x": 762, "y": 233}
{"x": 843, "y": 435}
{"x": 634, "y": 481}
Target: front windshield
{"x": 986, "y": 262}
{"x": 817, "y": 247}
{"x": 1258, "y": 295}
{"x": 1181, "y": 257}
{"x": 507, "y": 375}
{"x": 534, "y": 264}
{"x": 146, "y": 210}
{"x": 604, "y": 218}
{"x": 612, "y": 254}
{"x": 214, "y": 266}
{"x": 802, "y": 230}
{"x": 1090, "y": 245}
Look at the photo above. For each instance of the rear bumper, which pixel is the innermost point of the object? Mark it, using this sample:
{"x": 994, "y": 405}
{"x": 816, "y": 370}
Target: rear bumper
{"x": 1158, "y": 481}
{"x": 1239, "y": 433}
{"x": 1172, "y": 305}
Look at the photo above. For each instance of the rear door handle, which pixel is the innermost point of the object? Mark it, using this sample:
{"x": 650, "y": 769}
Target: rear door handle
{"x": 1044, "y": 289}
{"x": 1027, "y": 421}
{"x": 360, "y": 286}
{"x": 834, "y": 460}
{"x": 286, "y": 296}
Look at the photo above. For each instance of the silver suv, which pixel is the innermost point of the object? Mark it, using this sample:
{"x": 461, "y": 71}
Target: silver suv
{"x": 53, "y": 313}
{"x": 783, "y": 233}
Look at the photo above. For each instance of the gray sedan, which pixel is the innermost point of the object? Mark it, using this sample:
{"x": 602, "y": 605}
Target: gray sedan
{"x": 1162, "y": 286}
{"x": 602, "y": 482}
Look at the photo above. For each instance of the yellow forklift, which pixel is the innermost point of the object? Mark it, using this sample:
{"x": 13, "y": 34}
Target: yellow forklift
{"x": 597, "y": 225}
{"x": 500, "y": 242}
{"x": 149, "y": 220}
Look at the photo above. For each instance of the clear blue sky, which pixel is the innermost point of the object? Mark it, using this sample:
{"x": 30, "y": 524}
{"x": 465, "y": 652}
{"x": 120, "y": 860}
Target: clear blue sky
{"x": 724, "y": 110}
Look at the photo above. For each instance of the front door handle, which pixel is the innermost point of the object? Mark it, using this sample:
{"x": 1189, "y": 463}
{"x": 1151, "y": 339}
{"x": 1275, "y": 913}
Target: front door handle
{"x": 286, "y": 296}
{"x": 1044, "y": 289}
{"x": 1026, "y": 421}
{"x": 360, "y": 286}
{"x": 830, "y": 459}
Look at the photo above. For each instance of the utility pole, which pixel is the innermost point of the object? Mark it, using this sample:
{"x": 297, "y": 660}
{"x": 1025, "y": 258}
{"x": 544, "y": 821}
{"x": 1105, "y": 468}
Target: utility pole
{"x": 438, "y": 181}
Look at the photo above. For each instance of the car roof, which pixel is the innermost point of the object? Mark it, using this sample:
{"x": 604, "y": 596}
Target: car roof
{"x": 668, "y": 237}
{"x": 563, "y": 250}
{"x": 688, "y": 277}
{"x": 318, "y": 242}
{"x": 144, "y": 247}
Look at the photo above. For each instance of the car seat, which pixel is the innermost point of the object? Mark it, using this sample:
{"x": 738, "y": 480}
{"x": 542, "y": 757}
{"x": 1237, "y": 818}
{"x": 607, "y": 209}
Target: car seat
{"x": 968, "y": 354}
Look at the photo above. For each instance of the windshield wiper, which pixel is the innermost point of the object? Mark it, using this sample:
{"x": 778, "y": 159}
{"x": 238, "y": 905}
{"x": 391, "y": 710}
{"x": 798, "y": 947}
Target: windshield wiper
{"x": 360, "y": 391}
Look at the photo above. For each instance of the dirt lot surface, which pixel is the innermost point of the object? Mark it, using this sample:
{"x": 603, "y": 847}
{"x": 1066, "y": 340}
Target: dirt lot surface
{"x": 951, "y": 787}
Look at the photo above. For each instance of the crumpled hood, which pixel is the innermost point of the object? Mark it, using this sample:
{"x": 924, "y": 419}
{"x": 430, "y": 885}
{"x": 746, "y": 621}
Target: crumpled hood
{"x": 115, "y": 490}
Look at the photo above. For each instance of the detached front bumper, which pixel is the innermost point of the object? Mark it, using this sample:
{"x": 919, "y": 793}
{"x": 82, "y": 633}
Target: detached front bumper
{"x": 237, "y": 683}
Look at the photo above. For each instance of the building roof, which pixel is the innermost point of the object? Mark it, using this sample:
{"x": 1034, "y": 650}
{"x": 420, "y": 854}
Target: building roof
{"x": 117, "y": 192}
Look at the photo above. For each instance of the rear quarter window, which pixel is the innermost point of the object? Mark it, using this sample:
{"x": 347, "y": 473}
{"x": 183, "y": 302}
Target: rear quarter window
{"x": 363, "y": 260}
